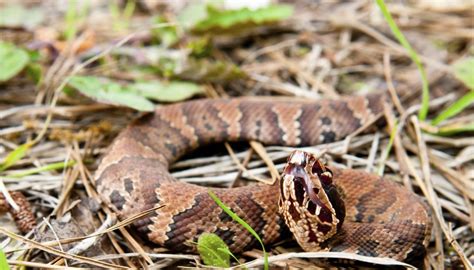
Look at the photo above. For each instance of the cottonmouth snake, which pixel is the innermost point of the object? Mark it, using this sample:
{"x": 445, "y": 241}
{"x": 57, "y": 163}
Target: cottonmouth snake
{"x": 382, "y": 218}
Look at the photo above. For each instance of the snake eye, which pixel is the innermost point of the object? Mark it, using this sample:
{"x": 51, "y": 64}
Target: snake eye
{"x": 326, "y": 178}
{"x": 324, "y": 174}
{"x": 318, "y": 168}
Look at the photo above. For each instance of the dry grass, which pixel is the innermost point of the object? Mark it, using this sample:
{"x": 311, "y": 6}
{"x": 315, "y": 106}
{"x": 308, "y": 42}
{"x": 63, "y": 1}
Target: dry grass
{"x": 325, "y": 50}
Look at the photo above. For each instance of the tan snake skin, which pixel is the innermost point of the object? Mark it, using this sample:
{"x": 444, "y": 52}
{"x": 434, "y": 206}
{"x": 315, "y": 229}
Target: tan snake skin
{"x": 382, "y": 218}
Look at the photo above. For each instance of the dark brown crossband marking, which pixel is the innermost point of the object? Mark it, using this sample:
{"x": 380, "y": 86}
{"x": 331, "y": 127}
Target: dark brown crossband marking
{"x": 117, "y": 199}
{"x": 128, "y": 185}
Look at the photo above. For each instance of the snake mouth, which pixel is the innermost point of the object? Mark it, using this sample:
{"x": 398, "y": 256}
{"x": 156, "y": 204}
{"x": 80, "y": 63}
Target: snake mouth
{"x": 309, "y": 198}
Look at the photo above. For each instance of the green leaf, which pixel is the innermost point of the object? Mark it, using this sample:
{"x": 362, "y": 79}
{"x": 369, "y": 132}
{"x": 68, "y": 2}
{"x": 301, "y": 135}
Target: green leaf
{"x": 17, "y": 16}
{"x": 425, "y": 99}
{"x": 13, "y": 60}
{"x": 192, "y": 14}
{"x": 208, "y": 71}
{"x": 3, "y": 261}
{"x": 225, "y": 19}
{"x": 166, "y": 92}
{"x": 241, "y": 222}
{"x": 464, "y": 71}
{"x": 455, "y": 108}
{"x": 15, "y": 155}
{"x": 106, "y": 91}
{"x": 35, "y": 71}
{"x": 213, "y": 250}
{"x": 167, "y": 35}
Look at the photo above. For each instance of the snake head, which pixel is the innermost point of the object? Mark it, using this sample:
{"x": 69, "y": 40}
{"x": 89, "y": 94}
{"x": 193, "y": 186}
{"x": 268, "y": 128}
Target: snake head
{"x": 309, "y": 201}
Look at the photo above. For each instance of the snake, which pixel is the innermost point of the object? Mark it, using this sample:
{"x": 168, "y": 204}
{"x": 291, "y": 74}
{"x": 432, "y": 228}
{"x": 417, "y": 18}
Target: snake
{"x": 325, "y": 208}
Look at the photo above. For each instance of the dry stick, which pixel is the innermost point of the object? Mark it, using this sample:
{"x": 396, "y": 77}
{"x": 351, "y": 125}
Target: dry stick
{"x": 373, "y": 153}
{"x": 118, "y": 225}
{"x": 400, "y": 152}
{"x": 315, "y": 84}
{"x": 65, "y": 111}
{"x": 68, "y": 185}
{"x": 424, "y": 190}
{"x": 51, "y": 228}
{"x": 37, "y": 265}
{"x": 61, "y": 209}
{"x": 391, "y": 88}
{"x": 245, "y": 163}
{"x": 326, "y": 255}
{"x": 91, "y": 192}
{"x": 424, "y": 159}
{"x": 39, "y": 246}
{"x": 269, "y": 49}
{"x": 242, "y": 167}
{"x": 471, "y": 208}
{"x": 456, "y": 179}
{"x": 283, "y": 87}
{"x": 386, "y": 41}
{"x": 260, "y": 150}
{"x": 358, "y": 131}
{"x": 8, "y": 198}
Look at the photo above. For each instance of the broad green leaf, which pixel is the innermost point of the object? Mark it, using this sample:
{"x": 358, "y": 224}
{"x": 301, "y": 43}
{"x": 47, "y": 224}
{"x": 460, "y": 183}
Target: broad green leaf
{"x": 106, "y": 91}
{"x": 3, "y": 261}
{"x": 166, "y": 92}
{"x": 241, "y": 222}
{"x": 15, "y": 155}
{"x": 13, "y": 60}
{"x": 212, "y": 250}
{"x": 225, "y": 19}
{"x": 192, "y": 14}
{"x": 18, "y": 16}
{"x": 464, "y": 71}
{"x": 455, "y": 108}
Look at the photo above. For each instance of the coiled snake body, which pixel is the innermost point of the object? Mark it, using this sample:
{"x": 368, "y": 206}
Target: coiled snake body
{"x": 382, "y": 218}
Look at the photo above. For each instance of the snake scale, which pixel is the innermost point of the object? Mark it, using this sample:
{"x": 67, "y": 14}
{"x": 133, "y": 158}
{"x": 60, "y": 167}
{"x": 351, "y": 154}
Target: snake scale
{"x": 382, "y": 218}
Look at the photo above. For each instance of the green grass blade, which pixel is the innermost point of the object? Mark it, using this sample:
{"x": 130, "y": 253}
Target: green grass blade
{"x": 15, "y": 156}
{"x": 413, "y": 55}
{"x": 455, "y": 129}
{"x": 49, "y": 167}
{"x": 241, "y": 222}
{"x": 455, "y": 108}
